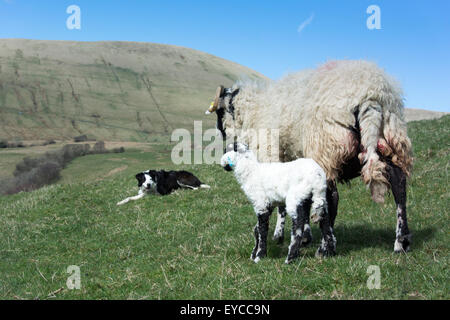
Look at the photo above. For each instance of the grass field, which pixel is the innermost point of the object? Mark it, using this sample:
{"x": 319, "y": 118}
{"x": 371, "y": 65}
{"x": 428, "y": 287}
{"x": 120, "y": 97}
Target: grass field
{"x": 196, "y": 244}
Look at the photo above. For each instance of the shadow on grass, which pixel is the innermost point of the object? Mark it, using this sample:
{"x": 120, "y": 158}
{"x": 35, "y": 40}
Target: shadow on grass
{"x": 355, "y": 238}
{"x": 359, "y": 237}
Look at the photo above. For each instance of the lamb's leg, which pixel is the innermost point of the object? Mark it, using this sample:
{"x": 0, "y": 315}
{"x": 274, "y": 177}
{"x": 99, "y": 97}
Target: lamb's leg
{"x": 333, "y": 200}
{"x": 263, "y": 230}
{"x": 328, "y": 244}
{"x": 298, "y": 224}
{"x": 397, "y": 179}
{"x": 278, "y": 235}
{"x": 255, "y": 249}
{"x": 307, "y": 234}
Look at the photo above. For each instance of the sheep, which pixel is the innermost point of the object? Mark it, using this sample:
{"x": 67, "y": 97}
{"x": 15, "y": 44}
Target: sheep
{"x": 346, "y": 115}
{"x": 300, "y": 185}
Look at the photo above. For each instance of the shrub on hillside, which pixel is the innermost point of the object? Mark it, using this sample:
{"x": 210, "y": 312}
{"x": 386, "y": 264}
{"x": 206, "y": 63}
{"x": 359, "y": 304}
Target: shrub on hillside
{"x": 44, "y": 174}
{"x": 34, "y": 173}
{"x": 99, "y": 147}
{"x": 82, "y": 138}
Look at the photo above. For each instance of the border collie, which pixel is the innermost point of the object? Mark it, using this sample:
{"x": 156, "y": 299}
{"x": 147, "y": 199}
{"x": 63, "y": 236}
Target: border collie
{"x": 164, "y": 182}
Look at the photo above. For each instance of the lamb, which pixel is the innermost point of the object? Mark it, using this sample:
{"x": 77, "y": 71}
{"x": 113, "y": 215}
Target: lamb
{"x": 346, "y": 115}
{"x": 300, "y": 185}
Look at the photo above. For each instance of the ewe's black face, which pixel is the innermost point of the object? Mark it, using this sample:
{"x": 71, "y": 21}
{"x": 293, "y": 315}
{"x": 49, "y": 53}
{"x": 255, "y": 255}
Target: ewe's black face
{"x": 223, "y": 105}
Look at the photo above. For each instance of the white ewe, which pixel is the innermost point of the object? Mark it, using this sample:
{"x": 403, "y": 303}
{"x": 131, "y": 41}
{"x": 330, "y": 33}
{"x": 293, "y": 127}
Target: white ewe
{"x": 346, "y": 115}
{"x": 300, "y": 185}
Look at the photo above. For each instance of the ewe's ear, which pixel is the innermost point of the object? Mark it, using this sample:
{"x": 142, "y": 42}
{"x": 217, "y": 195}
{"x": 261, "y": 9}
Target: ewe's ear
{"x": 215, "y": 104}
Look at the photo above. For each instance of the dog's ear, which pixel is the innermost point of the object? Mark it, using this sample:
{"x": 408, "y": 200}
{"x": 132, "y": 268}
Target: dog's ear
{"x": 140, "y": 178}
{"x": 152, "y": 174}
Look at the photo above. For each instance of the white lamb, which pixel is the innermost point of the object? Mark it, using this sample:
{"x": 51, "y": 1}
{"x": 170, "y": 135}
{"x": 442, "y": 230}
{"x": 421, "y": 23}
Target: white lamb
{"x": 300, "y": 185}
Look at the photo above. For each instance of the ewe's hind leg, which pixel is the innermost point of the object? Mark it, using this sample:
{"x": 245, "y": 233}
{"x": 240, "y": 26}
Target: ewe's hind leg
{"x": 328, "y": 244}
{"x": 278, "y": 235}
{"x": 261, "y": 230}
{"x": 333, "y": 200}
{"x": 299, "y": 216}
{"x": 397, "y": 179}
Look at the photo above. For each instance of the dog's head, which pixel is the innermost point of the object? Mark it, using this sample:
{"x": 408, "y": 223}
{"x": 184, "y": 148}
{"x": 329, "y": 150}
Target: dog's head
{"x": 147, "y": 180}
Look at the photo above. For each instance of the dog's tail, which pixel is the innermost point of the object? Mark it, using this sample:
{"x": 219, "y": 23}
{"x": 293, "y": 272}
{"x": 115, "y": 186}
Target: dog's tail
{"x": 205, "y": 186}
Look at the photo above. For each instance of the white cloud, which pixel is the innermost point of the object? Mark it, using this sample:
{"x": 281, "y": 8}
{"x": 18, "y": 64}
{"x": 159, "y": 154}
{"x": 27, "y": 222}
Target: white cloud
{"x": 305, "y": 23}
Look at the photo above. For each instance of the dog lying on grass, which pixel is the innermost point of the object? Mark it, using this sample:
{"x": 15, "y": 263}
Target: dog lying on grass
{"x": 163, "y": 183}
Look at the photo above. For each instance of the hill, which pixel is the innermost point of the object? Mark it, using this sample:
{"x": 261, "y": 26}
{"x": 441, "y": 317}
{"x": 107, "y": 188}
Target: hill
{"x": 120, "y": 91}
{"x": 419, "y": 114}
{"x": 196, "y": 244}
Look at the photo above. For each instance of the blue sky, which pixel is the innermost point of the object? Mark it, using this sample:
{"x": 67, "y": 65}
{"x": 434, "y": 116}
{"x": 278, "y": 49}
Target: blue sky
{"x": 272, "y": 37}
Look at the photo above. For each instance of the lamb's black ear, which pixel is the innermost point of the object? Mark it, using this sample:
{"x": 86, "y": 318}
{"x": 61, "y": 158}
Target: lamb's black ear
{"x": 230, "y": 147}
{"x": 241, "y": 147}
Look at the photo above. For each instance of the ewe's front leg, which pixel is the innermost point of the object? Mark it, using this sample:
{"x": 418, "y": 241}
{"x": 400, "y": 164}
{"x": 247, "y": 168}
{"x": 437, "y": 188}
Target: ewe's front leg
{"x": 261, "y": 236}
{"x": 397, "y": 179}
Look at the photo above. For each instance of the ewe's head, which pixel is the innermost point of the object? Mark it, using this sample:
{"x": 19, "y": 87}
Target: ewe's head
{"x": 233, "y": 153}
{"x": 223, "y": 105}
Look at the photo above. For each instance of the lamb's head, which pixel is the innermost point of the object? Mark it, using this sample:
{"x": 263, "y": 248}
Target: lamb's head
{"x": 223, "y": 105}
{"x": 233, "y": 153}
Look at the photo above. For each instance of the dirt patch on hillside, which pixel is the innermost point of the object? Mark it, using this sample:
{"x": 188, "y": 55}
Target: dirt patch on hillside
{"x": 116, "y": 170}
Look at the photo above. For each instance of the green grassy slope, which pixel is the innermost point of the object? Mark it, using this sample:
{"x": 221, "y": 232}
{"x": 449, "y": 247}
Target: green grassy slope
{"x": 123, "y": 91}
{"x": 196, "y": 244}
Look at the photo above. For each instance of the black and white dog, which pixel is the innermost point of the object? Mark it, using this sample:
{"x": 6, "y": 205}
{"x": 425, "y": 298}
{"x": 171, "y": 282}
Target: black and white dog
{"x": 164, "y": 182}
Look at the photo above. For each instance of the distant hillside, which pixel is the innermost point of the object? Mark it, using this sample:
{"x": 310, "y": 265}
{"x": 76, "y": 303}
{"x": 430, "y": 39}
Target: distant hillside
{"x": 108, "y": 90}
{"x": 419, "y": 114}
